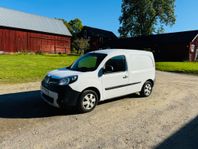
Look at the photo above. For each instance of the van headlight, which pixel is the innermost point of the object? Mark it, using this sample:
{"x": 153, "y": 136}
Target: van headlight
{"x": 68, "y": 80}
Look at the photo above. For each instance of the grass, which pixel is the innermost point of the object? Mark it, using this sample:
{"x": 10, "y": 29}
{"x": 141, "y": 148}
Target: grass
{"x": 181, "y": 67}
{"x": 20, "y": 68}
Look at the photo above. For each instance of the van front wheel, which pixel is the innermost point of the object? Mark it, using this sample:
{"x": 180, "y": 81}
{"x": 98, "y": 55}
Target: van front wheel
{"x": 146, "y": 89}
{"x": 87, "y": 101}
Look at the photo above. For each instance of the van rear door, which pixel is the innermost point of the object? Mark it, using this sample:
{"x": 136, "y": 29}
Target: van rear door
{"x": 141, "y": 69}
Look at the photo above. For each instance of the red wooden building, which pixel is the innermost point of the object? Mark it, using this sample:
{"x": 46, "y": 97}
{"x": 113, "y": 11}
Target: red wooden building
{"x": 22, "y": 32}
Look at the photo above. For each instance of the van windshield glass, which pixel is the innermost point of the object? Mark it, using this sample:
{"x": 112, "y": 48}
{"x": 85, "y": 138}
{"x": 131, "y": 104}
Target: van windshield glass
{"x": 88, "y": 62}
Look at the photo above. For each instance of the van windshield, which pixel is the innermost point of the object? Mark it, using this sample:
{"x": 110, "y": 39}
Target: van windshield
{"x": 88, "y": 62}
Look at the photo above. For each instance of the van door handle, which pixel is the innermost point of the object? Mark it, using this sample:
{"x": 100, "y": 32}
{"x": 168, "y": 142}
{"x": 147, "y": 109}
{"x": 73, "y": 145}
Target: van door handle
{"x": 125, "y": 77}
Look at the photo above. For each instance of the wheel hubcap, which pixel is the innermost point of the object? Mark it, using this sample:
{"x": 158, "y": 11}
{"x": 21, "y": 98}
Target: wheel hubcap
{"x": 147, "y": 89}
{"x": 89, "y": 101}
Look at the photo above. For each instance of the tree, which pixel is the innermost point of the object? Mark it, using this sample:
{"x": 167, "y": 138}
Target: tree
{"x": 82, "y": 45}
{"x": 75, "y": 26}
{"x": 145, "y": 17}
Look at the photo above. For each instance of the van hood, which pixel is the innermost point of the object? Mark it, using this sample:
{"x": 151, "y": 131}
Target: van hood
{"x": 62, "y": 73}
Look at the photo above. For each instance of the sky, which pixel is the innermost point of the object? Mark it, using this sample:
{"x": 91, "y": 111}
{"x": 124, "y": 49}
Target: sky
{"x": 102, "y": 14}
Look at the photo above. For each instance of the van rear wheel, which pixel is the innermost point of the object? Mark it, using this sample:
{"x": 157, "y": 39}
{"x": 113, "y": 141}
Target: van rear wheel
{"x": 87, "y": 101}
{"x": 146, "y": 89}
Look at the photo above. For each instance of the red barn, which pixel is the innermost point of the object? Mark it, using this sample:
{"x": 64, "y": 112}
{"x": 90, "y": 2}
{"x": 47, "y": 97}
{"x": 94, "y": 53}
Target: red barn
{"x": 22, "y": 32}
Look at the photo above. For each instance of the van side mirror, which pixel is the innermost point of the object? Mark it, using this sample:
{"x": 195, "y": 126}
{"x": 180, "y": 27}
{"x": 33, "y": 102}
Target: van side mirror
{"x": 108, "y": 69}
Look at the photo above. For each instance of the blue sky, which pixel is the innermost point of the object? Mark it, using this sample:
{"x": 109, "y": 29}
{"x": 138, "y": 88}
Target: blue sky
{"x": 100, "y": 13}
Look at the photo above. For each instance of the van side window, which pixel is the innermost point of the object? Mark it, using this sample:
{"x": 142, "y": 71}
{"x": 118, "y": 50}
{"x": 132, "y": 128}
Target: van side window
{"x": 117, "y": 64}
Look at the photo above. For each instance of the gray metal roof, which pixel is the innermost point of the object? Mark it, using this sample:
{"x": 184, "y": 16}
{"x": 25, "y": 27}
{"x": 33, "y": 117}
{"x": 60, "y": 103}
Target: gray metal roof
{"x": 21, "y": 20}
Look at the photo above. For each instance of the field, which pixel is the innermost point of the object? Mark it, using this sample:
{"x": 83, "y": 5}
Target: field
{"x": 19, "y": 68}
{"x": 29, "y": 68}
{"x": 181, "y": 67}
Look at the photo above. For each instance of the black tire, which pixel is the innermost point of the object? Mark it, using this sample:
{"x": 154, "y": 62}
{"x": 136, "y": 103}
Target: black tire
{"x": 146, "y": 89}
{"x": 87, "y": 101}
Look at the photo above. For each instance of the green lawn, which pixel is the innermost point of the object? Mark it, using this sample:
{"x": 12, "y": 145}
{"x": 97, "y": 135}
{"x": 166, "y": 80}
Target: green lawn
{"x": 181, "y": 67}
{"x": 28, "y": 68}
{"x": 20, "y": 68}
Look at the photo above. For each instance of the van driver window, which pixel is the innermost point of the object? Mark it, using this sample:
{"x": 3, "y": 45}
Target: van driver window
{"x": 117, "y": 63}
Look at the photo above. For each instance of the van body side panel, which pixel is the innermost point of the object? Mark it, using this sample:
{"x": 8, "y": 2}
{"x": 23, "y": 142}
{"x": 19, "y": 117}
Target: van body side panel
{"x": 141, "y": 69}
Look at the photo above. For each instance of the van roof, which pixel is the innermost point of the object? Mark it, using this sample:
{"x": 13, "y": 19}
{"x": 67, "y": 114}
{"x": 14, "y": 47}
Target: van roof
{"x": 122, "y": 51}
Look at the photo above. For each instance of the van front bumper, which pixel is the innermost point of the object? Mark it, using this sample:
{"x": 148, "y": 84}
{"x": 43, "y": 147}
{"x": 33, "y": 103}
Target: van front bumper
{"x": 59, "y": 96}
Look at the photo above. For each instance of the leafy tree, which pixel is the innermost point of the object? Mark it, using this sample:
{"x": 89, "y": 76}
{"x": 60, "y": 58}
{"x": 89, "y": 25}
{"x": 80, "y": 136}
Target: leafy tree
{"x": 144, "y": 17}
{"x": 78, "y": 44}
{"x": 75, "y": 26}
{"x": 81, "y": 44}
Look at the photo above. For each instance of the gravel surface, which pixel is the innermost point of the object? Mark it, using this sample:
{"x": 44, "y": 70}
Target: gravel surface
{"x": 167, "y": 119}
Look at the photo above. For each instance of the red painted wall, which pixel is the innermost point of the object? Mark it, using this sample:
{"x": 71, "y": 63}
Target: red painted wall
{"x": 16, "y": 40}
{"x": 193, "y": 51}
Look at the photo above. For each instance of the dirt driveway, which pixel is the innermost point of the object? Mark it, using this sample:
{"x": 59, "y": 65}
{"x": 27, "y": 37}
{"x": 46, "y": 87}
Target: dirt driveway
{"x": 167, "y": 119}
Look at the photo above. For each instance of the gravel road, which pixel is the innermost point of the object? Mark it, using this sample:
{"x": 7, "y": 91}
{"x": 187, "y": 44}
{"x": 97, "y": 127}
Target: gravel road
{"x": 167, "y": 119}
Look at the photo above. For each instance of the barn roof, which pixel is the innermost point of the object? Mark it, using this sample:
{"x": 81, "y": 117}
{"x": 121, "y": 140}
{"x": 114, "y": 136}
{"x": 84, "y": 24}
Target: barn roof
{"x": 96, "y": 32}
{"x": 16, "y": 19}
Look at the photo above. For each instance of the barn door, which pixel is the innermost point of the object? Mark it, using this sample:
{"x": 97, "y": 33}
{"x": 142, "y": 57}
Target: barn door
{"x": 47, "y": 45}
{"x": 60, "y": 46}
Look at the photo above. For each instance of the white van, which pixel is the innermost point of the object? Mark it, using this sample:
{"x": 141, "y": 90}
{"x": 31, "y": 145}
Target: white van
{"x": 98, "y": 76}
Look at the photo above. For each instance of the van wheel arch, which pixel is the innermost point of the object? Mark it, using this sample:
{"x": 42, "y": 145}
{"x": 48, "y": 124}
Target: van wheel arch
{"x": 150, "y": 80}
{"x": 93, "y": 89}
{"x": 147, "y": 88}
